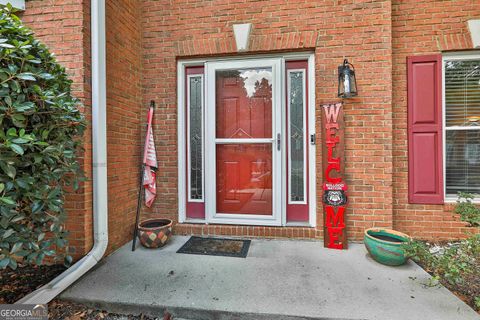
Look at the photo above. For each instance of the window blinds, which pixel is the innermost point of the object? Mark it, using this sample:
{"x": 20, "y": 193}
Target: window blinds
{"x": 462, "y": 125}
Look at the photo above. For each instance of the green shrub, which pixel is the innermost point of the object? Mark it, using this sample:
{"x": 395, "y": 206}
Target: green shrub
{"x": 457, "y": 265}
{"x": 39, "y": 129}
{"x": 467, "y": 210}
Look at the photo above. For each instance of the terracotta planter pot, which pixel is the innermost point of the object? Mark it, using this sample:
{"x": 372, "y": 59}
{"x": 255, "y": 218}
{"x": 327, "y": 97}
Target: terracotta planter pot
{"x": 385, "y": 245}
{"x": 154, "y": 233}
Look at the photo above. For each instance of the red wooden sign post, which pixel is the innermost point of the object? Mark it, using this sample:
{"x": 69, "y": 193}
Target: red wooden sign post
{"x": 334, "y": 187}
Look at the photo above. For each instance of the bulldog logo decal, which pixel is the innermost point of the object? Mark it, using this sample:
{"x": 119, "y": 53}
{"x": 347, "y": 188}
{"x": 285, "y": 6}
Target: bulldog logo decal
{"x": 335, "y": 198}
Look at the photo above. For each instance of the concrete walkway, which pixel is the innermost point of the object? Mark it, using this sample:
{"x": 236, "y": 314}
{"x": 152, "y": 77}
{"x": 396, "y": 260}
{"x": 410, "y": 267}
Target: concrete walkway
{"x": 281, "y": 280}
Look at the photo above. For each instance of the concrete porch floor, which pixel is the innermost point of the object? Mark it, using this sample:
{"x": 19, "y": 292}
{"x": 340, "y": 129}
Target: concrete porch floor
{"x": 279, "y": 279}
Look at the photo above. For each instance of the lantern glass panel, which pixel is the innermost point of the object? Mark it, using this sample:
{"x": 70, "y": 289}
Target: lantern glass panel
{"x": 347, "y": 85}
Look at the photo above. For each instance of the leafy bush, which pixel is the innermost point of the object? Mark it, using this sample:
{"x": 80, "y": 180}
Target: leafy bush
{"x": 455, "y": 265}
{"x": 452, "y": 262}
{"x": 39, "y": 129}
{"x": 468, "y": 211}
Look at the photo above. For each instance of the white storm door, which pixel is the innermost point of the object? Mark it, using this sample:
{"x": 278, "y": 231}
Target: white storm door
{"x": 243, "y": 140}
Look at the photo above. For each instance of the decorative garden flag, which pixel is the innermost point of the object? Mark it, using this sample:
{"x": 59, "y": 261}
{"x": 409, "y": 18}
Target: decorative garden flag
{"x": 150, "y": 162}
{"x": 334, "y": 187}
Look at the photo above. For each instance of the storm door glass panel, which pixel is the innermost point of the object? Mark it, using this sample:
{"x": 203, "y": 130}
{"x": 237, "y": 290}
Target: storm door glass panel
{"x": 244, "y": 141}
{"x": 296, "y": 131}
{"x": 244, "y": 178}
{"x": 244, "y": 103}
{"x": 195, "y": 150}
{"x": 462, "y": 126}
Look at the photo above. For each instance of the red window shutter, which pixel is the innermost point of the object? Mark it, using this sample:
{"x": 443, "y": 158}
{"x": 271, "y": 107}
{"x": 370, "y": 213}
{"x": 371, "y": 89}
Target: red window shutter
{"x": 425, "y": 136}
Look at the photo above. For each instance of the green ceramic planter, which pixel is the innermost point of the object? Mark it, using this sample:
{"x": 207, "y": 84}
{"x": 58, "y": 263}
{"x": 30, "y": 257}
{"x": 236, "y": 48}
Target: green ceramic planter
{"x": 384, "y": 245}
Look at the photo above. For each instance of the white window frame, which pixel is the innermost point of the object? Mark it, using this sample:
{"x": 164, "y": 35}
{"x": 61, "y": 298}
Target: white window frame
{"x": 449, "y": 57}
{"x": 289, "y": 136}
{"x": 181, "y": 96}
{"x": 189, "y": 160}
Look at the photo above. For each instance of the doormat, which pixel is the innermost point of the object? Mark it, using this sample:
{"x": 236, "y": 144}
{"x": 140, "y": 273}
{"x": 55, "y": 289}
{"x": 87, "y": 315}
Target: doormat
{"x": 216, "y": 247}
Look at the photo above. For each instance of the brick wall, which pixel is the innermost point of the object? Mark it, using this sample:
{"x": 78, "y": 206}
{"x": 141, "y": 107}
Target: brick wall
{"x": 334, "y": 30}
{"x": 124, "y": 117}
{"x": 420, "y": 28}
{"x": 146, "y": 39}
{"x": 64, "y": 27}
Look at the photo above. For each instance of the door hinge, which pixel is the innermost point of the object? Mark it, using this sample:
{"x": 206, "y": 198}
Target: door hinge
{"x": 313, "y": 139}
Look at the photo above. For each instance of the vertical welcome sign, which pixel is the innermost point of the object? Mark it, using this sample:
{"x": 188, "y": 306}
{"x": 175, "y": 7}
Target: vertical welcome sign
{"x": 334, "y": 187}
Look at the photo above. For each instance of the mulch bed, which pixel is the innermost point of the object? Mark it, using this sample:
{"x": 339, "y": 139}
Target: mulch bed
{"x": 469, "y": 289}
{"x": 15, "y": 284}
{"x": 65, "y": 310}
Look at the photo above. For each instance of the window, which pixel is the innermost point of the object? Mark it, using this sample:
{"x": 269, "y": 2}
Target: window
{"x": 195, "y": 136}
{"x": 462, "y": 125}
{"x": 296, "y": 133}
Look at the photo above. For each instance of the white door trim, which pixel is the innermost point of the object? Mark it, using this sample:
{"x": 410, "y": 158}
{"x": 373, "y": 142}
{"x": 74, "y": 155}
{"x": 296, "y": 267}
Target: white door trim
{"x": 181, "y": 138}
{"x": 181, "y": 99}
{"x": 312, "y": 152}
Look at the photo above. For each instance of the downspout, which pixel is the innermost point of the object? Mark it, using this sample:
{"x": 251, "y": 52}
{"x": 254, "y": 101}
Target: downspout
{"x": 99, "y": 144}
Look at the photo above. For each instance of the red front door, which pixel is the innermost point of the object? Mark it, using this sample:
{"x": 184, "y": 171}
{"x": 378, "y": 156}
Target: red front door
{"x": 244, "y": 141}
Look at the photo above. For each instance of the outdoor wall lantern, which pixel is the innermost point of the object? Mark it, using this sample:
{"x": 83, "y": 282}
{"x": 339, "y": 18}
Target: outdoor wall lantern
{"x": 347, "y": 85}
